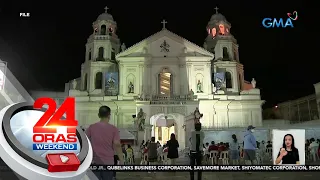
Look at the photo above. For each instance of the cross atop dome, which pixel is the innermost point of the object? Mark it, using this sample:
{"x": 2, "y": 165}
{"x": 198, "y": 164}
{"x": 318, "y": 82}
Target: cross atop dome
{"x": 216, "y": 8}
{"x": 164, "y": 22}
{"x": 106, "y": 9}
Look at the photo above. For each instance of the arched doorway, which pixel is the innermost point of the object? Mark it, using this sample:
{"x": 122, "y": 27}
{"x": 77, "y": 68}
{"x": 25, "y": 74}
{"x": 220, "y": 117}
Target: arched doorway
{"x": 163, "y": 125}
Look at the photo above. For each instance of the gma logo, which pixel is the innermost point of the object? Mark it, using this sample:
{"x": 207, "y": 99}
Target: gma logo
{"x": 279, "y": 23}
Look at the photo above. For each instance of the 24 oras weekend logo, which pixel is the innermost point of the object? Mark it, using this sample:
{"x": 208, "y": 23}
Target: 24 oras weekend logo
{"x": 46, "y": 135}
{"x": 281, "y": 22}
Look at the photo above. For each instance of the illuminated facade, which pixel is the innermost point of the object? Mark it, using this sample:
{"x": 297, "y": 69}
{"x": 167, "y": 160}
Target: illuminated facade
{"x": 167, "y": 77}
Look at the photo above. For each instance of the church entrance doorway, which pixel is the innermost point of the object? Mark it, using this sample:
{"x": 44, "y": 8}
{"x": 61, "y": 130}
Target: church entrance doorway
{"x": 165, "y": 82}
{"x": 163, "y": 129}
{"x": 163, "y": 125}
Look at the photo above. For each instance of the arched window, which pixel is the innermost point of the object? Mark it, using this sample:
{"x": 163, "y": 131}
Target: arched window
{"x": 85, "y": 85}
{"x": 225, "y": 53}
{"x": 103, "y": 30}
{"x": 98, "y": 81}
{"x": 113, "y": 54}
{"x": 100, "y": 54}
{"x": 89, "y": 55}
{"x": 228, "y": 80}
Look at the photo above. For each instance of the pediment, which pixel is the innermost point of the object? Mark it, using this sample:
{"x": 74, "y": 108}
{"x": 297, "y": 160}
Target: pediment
{"x": 165, "y": 43}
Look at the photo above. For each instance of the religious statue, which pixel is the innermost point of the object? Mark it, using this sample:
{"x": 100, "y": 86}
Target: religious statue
{"x": 253, "y": 83}
{"x": 197, "y": 115}
{"x": 131, "y": 88}
{"x": 142, "y": 96}
{"x": 145, "y": 50}
{"x": 123, "y": 47}
{"x": 199, "y": 87}
{"x": 74, "y": 84}
{"x": 191, "y": 94}
{"x": 185, "y": 50}
{"x": 141, "y": 119}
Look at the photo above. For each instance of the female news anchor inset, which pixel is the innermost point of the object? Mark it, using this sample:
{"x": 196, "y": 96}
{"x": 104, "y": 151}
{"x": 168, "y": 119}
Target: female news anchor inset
{"x": 288, "y": 154}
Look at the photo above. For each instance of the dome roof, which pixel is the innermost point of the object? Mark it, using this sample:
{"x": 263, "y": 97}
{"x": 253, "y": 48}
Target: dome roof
{"x": 218, "y": 17}
{"x": 105, "y": 15}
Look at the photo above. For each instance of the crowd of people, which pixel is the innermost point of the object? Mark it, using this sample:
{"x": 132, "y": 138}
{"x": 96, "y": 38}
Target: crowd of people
{"x": 108, "y": 150}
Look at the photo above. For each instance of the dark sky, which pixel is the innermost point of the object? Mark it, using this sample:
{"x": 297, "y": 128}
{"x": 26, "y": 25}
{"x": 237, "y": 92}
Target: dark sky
{"x": 47, "y": 49}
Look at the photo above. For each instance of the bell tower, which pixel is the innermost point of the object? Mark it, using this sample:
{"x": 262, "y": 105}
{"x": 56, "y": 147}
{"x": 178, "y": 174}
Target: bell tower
{"x": 100, "y": 60}
{"x": 221, "y": 42}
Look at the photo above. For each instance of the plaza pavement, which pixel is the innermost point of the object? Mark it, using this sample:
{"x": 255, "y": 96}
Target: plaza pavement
{"x": 219, "y": 175}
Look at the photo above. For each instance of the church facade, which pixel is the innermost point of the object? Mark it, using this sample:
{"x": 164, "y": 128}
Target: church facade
{"x": 165, "y": 77}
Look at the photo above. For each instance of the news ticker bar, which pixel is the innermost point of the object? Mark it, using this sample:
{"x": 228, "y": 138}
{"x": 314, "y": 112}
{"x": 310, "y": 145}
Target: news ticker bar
{"x": 204, "y": 168}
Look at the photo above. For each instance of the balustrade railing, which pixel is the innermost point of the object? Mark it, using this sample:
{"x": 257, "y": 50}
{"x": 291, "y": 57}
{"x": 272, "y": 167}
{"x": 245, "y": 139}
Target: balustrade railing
{"x": 173, "y": 99}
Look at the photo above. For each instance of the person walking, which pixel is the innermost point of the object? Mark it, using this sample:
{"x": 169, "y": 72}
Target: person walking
{"x": 250, "y": 146}
{"x": 105, "y": 141}
{"x": 196, "y": 153}
{"x": 173, "y": 146}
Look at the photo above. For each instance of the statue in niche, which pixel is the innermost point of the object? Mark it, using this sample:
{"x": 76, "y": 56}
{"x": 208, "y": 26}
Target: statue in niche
{"x": 123, "y": 47}
{"x": 74, "y": 84}
{"x": 141, "y": 119}
{"x": 199, "y": 87}
{"x": 131, "y": 88}
{"x": 197, "y": 115}
{"x": 253, "y": 83}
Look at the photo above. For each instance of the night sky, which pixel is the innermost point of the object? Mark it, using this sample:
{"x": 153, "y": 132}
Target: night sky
{"x": 47, "y": 49}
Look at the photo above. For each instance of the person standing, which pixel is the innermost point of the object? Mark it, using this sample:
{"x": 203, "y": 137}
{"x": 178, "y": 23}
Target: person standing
{"x": 105, "y": 141}
{"x": 196, "y": 153}
{"x": 173, "y": 146}
{"x": 250, "y": 146}
{"x": 152, "y": 152}
{"x": 314, "y": 149}
{"x": 234, "y": 150}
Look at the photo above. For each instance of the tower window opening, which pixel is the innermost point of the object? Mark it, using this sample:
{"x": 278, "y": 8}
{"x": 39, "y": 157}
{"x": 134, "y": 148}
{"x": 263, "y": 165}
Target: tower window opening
{"x": 225, "y": 53}
{"x": 113, "y": 54}
{"x": 235, "y": 55}
{"x": 98, "y": 80}
{"x": 100, "y": 54}
{"x": 103, "y": 30}
{"x": 228, "y": 80}
{"x": 89, "y": 55}
{"x": 85, "y": 82}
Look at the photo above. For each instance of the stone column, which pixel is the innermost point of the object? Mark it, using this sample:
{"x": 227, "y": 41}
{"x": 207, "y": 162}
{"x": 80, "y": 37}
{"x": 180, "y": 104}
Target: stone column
{"x": 147, "y": 132}
{"x": 189, "y": 78}
{"x": 119, "y": 121}
{"x": 121, "y": 79}
{"x": 209, "y": 81}
{"x": 141, "y": 77}
{"x": 182, "y": 69}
